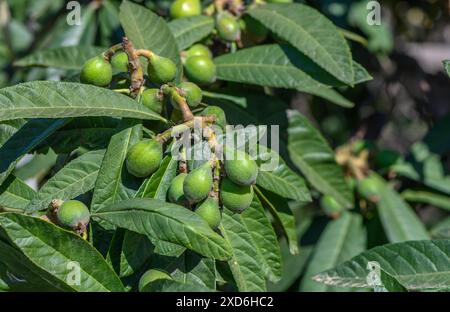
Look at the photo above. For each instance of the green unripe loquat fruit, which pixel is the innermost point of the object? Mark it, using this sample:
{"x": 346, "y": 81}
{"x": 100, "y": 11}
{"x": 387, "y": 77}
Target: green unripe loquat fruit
{"x": 175, "y": 194}
{"x": 216, "y": 111}
{"x": 191, "y": 92}
{"x": 119, "y": 61}
{"x": 200, "y": 69}
{"x": 152, "y": 99}
{"x": 227, "y": 27}
{"x": 209, "y": 210}
{"x": 330, "y": 206}
{"x": 240, "y": 167}
{"x": 152, "y": 275}
{"x": 185, "y": 8}
{"x": 161, "y": 69}
{"x": 369, "y": 188}
{"x": 96, "y": 71}
{"x": 73, "y": 213}
{"x": 144, "y": 157}
{"x": 198, "y": 183}
{"x": 235, "y": 197}
{"x": 198, "y": 49}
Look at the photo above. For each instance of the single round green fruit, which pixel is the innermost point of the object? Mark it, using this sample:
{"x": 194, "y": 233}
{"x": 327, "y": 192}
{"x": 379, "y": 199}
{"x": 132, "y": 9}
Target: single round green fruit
{"x": 198, "y": 183}
{"x": 175, "y": 194}
{"x": 235, "y": 197}
{"x": 200, "y": 69}
{"x": 240, "y": 167}
{"x": 221, "y": 119}
{"x": 119, "y": 61}
{"x": 331, "y": 207}
{"x": 96, "y": 71}
{"x": 198, "y": 49}
{"x": 152, "y": 99}
{"x": 185, "y": 8}
{"x": 161, "y": 69}
{"x": 191, "y": 92}
{"x": 72, "y": 214}
{"x": 144, "y": 157}
{"x": 209, "y": 210}
{"x": 386, "y": 158}
{"x": 227, "y": 27}
{"x": 369, "y": 188}
{"x": 253, "y": 30}
{"x": 151, "y": 276}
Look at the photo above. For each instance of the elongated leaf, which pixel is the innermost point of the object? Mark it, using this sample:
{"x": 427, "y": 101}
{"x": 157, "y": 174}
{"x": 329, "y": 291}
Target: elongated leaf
{"x": 18, "y": 273}
{"x": 167, "y": 222}
{"x": 76, "y": 178}
{"x": 361, "y": 74}
{"x": 416, "y": 264}
{"x": 58, "y": 251}
{"x": 245, "y": 263}
{"x": 434, "y": 199}
{"x": 341, "y": 240}
{"x": 447, "y": 67}
{"x": 157, "y": 185}
{"x": 442, "y": 229}
{"x": 149, "y": 31}
{"x": 114, "y": 183}
{"x": 190, "y": 268}
{"x": 275, "y": 176}
{"x": 14, "y": 193}
{"x": 8, "y": 128}
{"x": 282, "y": 214}
{"x": 311, "y": 153}
{"x": 399, "y": 221}
{"x": 311, "y": 33}
{"x": 264, "y": 239}
{"x": 72, "y": 57}
{"x": 278, "y": 66}
{"x": 24, "y": 140}
{"x": 53, "y": 99}
{"x": 190, "y": 30}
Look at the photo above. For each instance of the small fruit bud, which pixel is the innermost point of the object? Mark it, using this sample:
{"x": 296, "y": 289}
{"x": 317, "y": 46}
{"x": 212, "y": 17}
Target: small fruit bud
{"x": 185, "y": 8}
{"x": 96, "y": 71}
{"x": 119, "y": 61}
{"x": 240, "y": 167}
{"x": 161, "y": 69}
{"x": 191, "y": 92}
{"x": 144, "y": 157}
{"x": 209, "y": 210}
{"x": 73, "y": 215}
{"x": 200, "y": 69}
{"x": 198, "y": 183}
{"x": 175, "y": 194}
{"x": 369, "y": 188}
{"x": 199, "y": 49}
{"x": 235, "y": 197}
{"x": 331, "y": 207}
{"x": 152, "y": 99}
{"x": 227, "y": 27}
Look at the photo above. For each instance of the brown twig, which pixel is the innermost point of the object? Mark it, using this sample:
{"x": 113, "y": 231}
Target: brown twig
{"x": 134, "y": 67}
{"x": 174, "y": 131}
{"x": 177, "y": 96}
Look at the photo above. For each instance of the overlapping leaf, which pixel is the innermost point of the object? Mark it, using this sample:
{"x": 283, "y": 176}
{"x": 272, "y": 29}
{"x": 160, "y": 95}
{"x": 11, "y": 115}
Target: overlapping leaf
{"x": 311, "y": 153}
{"x": 53, "y": 99}
{"x": 15, "y": 193}
{"x": 167, "y": 222}
{"x": 190, "y": 30}
{"x": 76, "y": 178}
{"x": 59, "y": 253}
{"x": 418, "y": 265}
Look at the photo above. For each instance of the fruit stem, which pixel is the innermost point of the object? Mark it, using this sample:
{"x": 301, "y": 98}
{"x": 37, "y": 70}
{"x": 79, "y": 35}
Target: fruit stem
{"x": 134, "y": 67}
{"x": 174, "y": 131}
{"x": 180, "y": 100}
{"x": 108, "y": 54}
{"x": 125, "y": 91}
{"x": 145, "y": 53}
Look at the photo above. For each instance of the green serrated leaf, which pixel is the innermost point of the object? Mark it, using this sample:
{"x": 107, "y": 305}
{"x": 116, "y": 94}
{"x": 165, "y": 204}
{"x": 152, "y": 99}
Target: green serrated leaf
{"x": 190, "y": 30}
{"x": 53, "y": 99}
{"x": 417, "y": 265}
{"x": 245, "y": 263}
{"x": 149, "y": 31}
{"x": 278, "y": 66}
{"x": 76, "y": 178}
{"x": 60, "y": 253}
{"x": 311, "y": 153}
{"x": 16, "y": 194}
{"x": 114, "y": 183}
{"x": 72, "y": 57}
{"x": 167, "y": 222}
{"x": 264, "y": 239}
{"x": 399, "y": 221}
{"x": 342, "y": 239}
{"x": 311, "y": 33}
